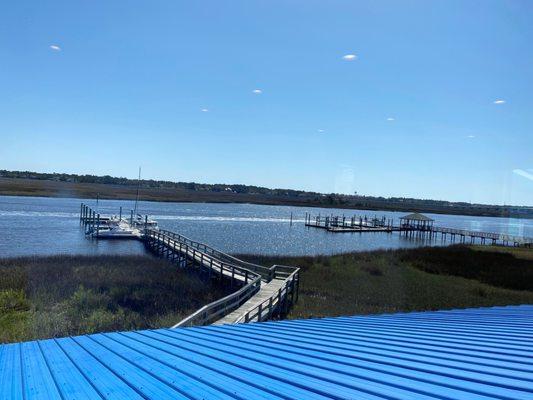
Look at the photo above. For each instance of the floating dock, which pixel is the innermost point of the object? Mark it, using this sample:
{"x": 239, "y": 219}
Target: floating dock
{"x": 471, "y": 354}
{"x": 335, "y": 223}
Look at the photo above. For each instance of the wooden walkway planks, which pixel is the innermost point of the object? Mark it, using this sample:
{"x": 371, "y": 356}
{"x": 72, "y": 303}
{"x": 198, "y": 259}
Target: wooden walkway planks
{"x": 268, "y": 291}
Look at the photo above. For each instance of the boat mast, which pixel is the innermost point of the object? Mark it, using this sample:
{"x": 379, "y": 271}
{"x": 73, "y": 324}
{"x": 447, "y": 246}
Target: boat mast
{"x": 137, "y": 196}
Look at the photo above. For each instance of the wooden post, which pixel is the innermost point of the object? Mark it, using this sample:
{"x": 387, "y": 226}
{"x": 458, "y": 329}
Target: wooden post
{"x": 292, "y": 291}
{"x": 279, "y": 303}
{"x": 291, "y": 218}
{"x": 98, "y": 226}
{"x": 131, "y": 217}
{"x": 297, "y": 277}
{"x": 120, "y": 214}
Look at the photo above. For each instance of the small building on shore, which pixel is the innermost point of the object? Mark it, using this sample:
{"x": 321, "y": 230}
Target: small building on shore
{"x": 416, "y": 221}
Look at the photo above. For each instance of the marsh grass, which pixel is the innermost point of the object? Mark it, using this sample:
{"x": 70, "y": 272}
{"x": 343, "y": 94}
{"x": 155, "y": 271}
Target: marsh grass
{"x": 57, "y": 296}
{"x": 409, "y": 280}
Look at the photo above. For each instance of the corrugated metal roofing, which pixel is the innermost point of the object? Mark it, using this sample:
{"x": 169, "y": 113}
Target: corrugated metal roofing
{"x": 459, "y": 354}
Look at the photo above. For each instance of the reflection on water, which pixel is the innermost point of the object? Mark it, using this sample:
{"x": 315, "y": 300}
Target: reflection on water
{"x": 49, "y": 226}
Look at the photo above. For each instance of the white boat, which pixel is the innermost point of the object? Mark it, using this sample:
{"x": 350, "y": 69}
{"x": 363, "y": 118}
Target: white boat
{"x": 117, "y": 229}
{"x": 142, "y": 222}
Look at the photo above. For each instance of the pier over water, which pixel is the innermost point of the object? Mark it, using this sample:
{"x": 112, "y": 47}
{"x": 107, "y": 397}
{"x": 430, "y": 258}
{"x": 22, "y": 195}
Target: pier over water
{"x": 262, "y": 293}
{"x": 413, "y": 225}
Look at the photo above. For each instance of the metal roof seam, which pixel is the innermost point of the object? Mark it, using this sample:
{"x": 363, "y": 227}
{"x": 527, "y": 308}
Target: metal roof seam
{"x": 337, "y": 382}
{"x": 109, "y": 369}
{"x": 51, "y": 372}
{"x": 250, "y": 361}
{"x": 228, "y": 392}
{"x": 470, "y": 354}
{"x": 141, "y": 333}
{"x": 409, "y": 339}
{"x": 355, "y": 355}
{"x": 398, "y": 373}
{"x": 146, "y": 370}
{"x": 79, "y": 369}
{"x": 343, "y": 339}
{"x": 376, "y": 353}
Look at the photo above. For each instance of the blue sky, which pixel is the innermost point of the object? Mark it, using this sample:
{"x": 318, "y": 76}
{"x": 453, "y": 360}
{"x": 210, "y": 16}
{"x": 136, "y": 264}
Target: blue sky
{"x": 102, "y": 87}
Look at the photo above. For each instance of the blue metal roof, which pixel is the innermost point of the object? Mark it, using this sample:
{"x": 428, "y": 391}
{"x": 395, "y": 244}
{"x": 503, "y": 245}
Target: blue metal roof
{"x": 458, "y": 354}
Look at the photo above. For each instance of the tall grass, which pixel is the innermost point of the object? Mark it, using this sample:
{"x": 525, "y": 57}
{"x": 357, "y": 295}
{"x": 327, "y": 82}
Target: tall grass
{"x": 408, "y": 280}
{"x": 69, "y": 295}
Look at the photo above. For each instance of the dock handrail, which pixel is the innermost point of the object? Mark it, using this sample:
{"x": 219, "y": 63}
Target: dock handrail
{"x": 487, "y": 235}
{"x": 219, "y": 308}
{"x": 266, "y": 273}
{"x": 266, "y": 308}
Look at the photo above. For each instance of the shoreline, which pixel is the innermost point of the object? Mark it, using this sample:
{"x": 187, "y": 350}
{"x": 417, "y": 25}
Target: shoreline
{"x": 46, "y": 189}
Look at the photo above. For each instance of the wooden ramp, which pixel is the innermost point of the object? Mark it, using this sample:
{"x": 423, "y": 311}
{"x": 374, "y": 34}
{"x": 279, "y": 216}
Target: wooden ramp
{"x": 269, "y": 293}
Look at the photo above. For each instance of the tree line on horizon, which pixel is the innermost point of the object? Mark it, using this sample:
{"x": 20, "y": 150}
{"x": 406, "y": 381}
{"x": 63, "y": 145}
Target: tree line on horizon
{"x": 323, "y": 198}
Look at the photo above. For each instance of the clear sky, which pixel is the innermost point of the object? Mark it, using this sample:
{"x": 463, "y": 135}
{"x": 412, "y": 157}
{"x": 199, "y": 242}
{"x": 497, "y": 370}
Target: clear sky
{"x": 428, "y": 99}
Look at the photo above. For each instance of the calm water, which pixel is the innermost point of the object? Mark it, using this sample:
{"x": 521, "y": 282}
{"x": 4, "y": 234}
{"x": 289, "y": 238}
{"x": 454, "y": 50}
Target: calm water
{"x": 50, "y": 226}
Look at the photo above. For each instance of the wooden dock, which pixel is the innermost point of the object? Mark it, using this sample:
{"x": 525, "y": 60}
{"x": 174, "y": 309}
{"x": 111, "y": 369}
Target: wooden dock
{"x": 483, "y": 237}
{"x": 109, "y": 227}
{"x": 261, "y": 293}
{"x": 343, "y": 224}
{"x": 350, "y": 224}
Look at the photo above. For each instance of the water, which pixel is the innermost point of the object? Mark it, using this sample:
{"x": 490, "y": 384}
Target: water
{"x": 36, "y": 225}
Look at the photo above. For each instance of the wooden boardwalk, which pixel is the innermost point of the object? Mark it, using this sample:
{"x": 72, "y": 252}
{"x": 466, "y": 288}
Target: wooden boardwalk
{"x": 261, "y": 293}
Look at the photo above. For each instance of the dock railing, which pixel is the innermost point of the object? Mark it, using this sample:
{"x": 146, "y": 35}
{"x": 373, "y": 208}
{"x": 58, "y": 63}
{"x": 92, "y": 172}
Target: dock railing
{"x": 522, "y": 240}
{"x": 267, "y": 273}
{"x": 280, "y": 302}
{"x": 216, "y": 310}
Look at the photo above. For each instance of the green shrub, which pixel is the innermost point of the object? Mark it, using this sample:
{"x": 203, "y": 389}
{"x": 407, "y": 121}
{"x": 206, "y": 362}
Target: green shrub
{"x": 83, "y": 301}
{"x": 13, "y": 300}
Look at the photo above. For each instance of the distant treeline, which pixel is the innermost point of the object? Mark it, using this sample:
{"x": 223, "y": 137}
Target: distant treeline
{"x": 150, "y": 183}
{"x": 191, "y": 191}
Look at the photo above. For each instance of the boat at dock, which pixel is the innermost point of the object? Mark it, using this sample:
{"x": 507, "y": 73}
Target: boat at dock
{"x": 143, "y": 222}
{"x": 117, "y": 229}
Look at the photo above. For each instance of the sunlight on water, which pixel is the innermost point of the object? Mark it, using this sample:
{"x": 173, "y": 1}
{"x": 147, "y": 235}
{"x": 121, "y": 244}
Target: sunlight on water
{"x": 51, "y": 225}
